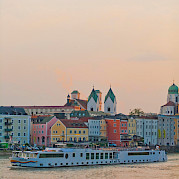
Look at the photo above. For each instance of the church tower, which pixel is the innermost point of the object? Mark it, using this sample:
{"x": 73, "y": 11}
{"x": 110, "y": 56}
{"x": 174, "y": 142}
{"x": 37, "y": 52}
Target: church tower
{"x": 110, "y": 102}
{"x": 94, "y": 101}
{"x": 173, "y": 94}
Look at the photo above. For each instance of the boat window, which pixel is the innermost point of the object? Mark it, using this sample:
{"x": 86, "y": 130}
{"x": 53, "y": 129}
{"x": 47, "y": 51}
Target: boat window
{"x": 81, "y": 154}
{"x": 97, "y": 155}
{"x": 101, "y": 156}
{"x": 87, "y": 156}
{"x": 31, "y": 156}
{"x": 41, "y": 164}
{"x": 106, "y": 155}
{"x": 73, "y": 154}
{"x": 138, "y": 153}
{"x": 27, "y": 155}
{"x": 153, "y": 152}
{"x": 92, "y": 155}
{"x": 35, "y": 155}
{"x": 51, "y": 155}
{"x": 110, "y": 156}
{"x": 66, "y": 156}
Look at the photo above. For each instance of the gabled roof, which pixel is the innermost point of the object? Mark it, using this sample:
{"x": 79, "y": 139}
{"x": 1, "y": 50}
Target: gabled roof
{"x": 111, "y": 95}
{"x": 170, "y": 103}
{"x": 12, "y": 110}
{"x": 93, "y": 95}
{"x": 69, "y": 123}
{"x": 77, "y": 102}
{"x": 43, "y": 120}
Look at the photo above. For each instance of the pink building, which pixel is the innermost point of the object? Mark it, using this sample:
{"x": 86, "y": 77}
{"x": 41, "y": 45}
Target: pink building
{"x": 41, "y": 130}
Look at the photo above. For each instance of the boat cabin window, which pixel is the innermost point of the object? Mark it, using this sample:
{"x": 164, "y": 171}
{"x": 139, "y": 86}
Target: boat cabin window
{"x": 51, "y": 155}
{"x": 81, "y": 154}
{"x": 106, "y": 155}
{"x": 111, "y": 155}
{"x": 101, "y": 156}
{"x": 138, "y": 153}
{"x": 97, "y": 155}
{"x": 92, "y": 156}
{"x": 87, "y": 156}
{"x": 73, "y": 154}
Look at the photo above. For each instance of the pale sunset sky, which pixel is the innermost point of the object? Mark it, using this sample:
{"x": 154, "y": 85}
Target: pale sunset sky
{"x": 50, "y": 47}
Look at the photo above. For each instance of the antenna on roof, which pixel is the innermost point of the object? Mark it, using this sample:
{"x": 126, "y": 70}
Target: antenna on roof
{"x": 173, "y": 81}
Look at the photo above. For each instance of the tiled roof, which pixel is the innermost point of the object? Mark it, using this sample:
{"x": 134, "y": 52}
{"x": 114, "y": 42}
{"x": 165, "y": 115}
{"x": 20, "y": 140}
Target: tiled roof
{"x": 111, "y": 95}
{"x": 38, "y": 107}
{"x": 43, "y": 120}
{"x": 82, "y": 103}
{"x": 12, "y": 110}
{"x": 69, "y": 123}
{"x": 170, "y": 103}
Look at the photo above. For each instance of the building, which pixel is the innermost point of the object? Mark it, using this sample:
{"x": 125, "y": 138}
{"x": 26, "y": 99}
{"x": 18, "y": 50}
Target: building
{"x": 75, "y": 101}
{"x": 103, "y": 129}
{"x": 176, "y": 129}
{"x": 171, "y": 108}
{"x": 47, "y": 110}
{"x": 117, "y": 130}
{"x": 41, "y": 131}
{"x": 110, "y": 103}
{"x": 69, "y": 131}
{"x": 166, "y": 130}
{"x": 14, "y": 125}
{"x": 94, "y": 101}
{"x": 146, "y": 127}
{"x": 131, "y": 126}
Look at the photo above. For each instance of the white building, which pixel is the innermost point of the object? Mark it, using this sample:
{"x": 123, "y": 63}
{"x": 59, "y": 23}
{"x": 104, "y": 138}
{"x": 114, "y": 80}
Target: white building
{"x": 110, "y": 103}
{"x": 147, "y": 127}
{"x": 166, "y": 130}
{"x": 94, "y": 129}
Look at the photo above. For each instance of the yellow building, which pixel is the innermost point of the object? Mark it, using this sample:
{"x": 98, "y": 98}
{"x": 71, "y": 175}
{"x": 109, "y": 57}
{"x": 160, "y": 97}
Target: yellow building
{"x": 69, "y": 130}
{"x": 176, "y": 130}
{"x": 132, "y": 130}
{"x": 103, "y": 129}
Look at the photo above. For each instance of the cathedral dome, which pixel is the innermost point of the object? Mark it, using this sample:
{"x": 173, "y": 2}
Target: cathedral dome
{"x": 173, "y": 89}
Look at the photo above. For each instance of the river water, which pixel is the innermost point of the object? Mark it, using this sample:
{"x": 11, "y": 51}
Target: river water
{"x": 169, "y": 169}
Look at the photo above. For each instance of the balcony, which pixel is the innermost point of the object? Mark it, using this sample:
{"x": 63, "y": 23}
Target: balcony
{"x": 6, "y": 137}
{"x": 8, "y": 123}
{"x": 7, "y": 130}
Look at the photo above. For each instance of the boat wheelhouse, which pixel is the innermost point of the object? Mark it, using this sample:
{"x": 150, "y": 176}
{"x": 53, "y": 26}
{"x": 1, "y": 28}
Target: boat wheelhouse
{"x": 60, "y": 157}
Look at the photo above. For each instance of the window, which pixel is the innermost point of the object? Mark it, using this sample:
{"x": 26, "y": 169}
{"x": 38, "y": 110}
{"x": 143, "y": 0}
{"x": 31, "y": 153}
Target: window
{"x": 0, "y": 120}
{"x": 73, "y": 154}
{"x": 83, "y": 132}
{"x": 24, "y": 134}
{"x": 122, "y": 124}
{"x": 81, "y": 154}
{"x": 106, "y": 155}
{"x": 12, "y": 121}
{"x": 75, "y": 132}
{"x": 19, "y": 134}
{"x": 39, "y": 132}
{"x": 79, "y": 132}
{"x": 101, "y": 156}
{"x": 24, "y": 127}
{"x": 24, "y": 121}
{"x": 97, "y": 155}
{"x": 92, "y": 156}
{"x": 109, "y": 109}
{"x": 114, "y": 125}
{"x": 114, "y": 130}
{"x": 0, "y": 127}
{"x": 110, "y": 156}
{"x": 70, "y": 131}
{"x": 42, "y": 132}
{"x": 19, "y": 127}
{"x": 12, "y": 134}
{"x": 0, "y": 134}
{"x": 87, "y": 156}
{"x": 19, "y": 121}
{"x": 42, "y": 126}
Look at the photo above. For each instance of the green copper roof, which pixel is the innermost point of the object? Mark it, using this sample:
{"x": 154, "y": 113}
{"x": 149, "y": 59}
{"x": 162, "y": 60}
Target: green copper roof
{"x": 74, "y": 92}
{"x": 93, "y": 95}
{"x": 98, "y": 91}
{"x": 173, "y": 89}
{"x": 111, "y": 95}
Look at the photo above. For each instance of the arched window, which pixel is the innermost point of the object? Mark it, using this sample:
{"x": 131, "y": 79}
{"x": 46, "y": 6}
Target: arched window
{"x": 109, "y": 109}
{"x": 75, "y": 139}
{"x": 91, "y": 109}
{"x": 84, "y": 139}
{"x": 79, "y": 139}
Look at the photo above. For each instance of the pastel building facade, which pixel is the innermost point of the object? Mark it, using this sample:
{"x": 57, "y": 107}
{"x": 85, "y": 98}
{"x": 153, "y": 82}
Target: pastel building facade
{"x": 14, "y": 125}
{"x": 147, "y": 127}
{"x": 176, "y": 129}
{"x": 166, "y": 130}
{"x": 69, "y": 130}
{"x": 41, "y": 131}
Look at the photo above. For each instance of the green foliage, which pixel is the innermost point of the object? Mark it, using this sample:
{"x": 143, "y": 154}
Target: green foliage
{"x": 137, "y": 112}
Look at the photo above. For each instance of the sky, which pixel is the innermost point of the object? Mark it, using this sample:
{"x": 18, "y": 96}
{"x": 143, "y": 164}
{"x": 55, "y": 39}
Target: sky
{"x": 49, "y": 48}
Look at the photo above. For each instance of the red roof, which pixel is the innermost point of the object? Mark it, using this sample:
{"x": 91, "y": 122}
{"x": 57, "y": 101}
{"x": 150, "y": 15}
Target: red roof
{"x": 69, "y": 123}
{"x": 37, "y": 107}
{"x": 170, "y": 103}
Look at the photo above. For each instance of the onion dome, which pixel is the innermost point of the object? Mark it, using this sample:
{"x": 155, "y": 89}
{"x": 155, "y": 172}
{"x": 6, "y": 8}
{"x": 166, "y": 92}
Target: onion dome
{"x": 173, "y": 89}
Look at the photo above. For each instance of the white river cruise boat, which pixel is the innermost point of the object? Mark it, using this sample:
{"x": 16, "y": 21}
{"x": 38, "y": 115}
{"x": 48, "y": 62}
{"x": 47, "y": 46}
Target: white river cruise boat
{"x": 62, "y": 157}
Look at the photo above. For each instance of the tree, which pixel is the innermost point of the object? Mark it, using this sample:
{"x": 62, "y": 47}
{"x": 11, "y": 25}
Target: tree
{"x": 137, "y": 112}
